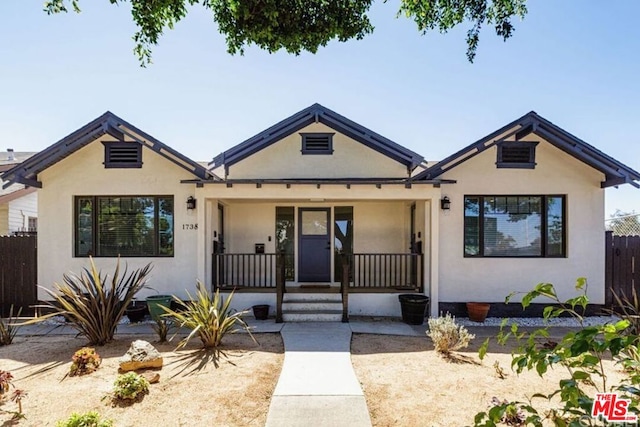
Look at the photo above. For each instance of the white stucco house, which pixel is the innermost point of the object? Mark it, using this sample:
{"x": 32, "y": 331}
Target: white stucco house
{"x": 320, "y": 205}
{"x": 18, "y": 203}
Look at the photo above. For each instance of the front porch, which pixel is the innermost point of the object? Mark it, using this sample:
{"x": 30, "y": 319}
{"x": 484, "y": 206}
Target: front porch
{"x": 364, "y": 251}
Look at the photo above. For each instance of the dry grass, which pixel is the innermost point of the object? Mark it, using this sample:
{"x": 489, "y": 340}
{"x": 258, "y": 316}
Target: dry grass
{"x": 190, "y": 392}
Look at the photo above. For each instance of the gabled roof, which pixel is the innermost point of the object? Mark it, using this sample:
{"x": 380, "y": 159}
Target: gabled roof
{"x": 27, "y": 172}
{"x": 615, "y": 172}
{"x": 317, "y": 114}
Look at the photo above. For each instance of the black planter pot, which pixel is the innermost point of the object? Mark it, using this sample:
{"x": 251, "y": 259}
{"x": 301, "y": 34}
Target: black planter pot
{"x": 136, "y": 313}
{"x": 414, "y": 308}
{"x": 261, "y": 311}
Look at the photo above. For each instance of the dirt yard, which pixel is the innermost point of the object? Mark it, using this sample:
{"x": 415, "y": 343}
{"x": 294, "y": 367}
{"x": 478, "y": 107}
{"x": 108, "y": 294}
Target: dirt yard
{"x": 406, "y": 383}
{"x": 236, "y": 393}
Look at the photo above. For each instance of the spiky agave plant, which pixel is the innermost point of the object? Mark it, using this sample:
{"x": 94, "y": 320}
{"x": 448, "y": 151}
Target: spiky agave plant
{"x": 210, "y": 317}
{"x": 92, "y": 302}
{"x": 8, "y": 327}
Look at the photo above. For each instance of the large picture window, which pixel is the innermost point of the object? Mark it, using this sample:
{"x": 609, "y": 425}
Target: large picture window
{"x": 128, "y": 226}
{"x": 514, "y": 226}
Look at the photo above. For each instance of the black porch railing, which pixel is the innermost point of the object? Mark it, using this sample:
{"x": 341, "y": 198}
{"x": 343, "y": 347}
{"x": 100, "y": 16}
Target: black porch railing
{"x": 255, "y": 271}
{"x": 385, "y": 271}
{"x": 358, "y": 273}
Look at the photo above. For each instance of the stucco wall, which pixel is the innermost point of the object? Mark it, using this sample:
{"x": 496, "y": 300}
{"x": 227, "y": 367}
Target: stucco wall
{"x": 491, "y": 279}
{"x": 83, "y": 173}
{"x": 284, "y": 159}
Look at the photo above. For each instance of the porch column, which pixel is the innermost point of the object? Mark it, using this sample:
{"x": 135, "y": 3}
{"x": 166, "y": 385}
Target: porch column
{"x": 431, "y": 268}
{"x": 201, "y": 241}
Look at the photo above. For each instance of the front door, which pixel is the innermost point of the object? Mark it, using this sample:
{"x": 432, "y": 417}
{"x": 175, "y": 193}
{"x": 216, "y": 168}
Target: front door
{"x": 314, "y": 260}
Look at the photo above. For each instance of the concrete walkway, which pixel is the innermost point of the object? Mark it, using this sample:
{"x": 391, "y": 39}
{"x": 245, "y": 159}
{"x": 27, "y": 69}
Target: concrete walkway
{"x": 317, "y": 385}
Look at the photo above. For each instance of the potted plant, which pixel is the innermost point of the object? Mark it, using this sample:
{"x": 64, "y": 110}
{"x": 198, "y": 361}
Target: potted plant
{"x": 478, "y": 311}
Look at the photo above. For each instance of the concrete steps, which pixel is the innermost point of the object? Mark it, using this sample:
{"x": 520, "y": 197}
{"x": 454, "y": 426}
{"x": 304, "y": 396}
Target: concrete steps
{"x": 312, "y": 307}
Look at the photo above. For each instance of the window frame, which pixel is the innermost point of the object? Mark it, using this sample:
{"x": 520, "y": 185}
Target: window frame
{"x": 95, "y": 226}
{"x": 109, "y": 163}
{"x": 531, "y": 164}
{"x": 544, "y": 225}
{"x": 327, "y": 151}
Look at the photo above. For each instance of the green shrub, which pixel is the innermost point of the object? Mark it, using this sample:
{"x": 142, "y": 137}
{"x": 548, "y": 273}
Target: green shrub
{"x": 208, "y": 316}
{"x": 84, "y": 361}
{"x": 162, "y": 328}
{"x": 447, "y": 335}
{"x": 130, "y": 386}
{"x": 8, "y": 329}
{"x": 93, "y": 303}
{"x": 90, "y": 419}
{"x": 580, "y": 354}
{"x": 627, "y": 308}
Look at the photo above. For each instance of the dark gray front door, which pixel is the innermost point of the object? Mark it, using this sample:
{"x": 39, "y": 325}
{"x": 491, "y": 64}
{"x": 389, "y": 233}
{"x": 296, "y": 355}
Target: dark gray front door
{"x": 314, "y": 260}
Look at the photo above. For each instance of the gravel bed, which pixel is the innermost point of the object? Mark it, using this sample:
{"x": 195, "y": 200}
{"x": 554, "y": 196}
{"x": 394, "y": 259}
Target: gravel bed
{"x": 538, "y": 321}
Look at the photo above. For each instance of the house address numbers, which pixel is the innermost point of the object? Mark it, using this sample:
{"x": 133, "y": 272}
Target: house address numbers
{"x": 189, "y": 226}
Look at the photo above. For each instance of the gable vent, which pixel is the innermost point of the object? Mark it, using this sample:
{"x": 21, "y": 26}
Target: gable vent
{"x": 317, "y": 143}
{"x": 122, "y": 155}
{"x": 517, "y": 155}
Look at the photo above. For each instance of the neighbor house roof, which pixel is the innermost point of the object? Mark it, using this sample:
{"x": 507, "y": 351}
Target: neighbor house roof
{"x": 316, "y": 113}
{"x": 27, "y": 172}
{"x": 9, "y": 197}
{"x": 615, "y": 172}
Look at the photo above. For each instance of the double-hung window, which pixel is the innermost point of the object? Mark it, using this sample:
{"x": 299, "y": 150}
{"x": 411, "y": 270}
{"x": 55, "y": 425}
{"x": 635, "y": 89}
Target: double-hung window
{"x": 128, "y": 226}
{"x": 515, "y": 226}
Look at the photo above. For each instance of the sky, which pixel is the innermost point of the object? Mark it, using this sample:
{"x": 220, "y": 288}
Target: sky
{"x": 575, "y": 62}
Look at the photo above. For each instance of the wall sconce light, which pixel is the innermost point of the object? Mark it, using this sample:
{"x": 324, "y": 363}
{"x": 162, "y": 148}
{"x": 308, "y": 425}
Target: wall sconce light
{"x": 445, "y": 203}
{"x": 191, "y": 203}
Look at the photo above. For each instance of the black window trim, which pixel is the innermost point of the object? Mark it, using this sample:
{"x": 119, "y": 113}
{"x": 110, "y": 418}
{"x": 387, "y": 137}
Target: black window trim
{"x": 543, "y": 225}
{"x": 110, "y": 164}
{"x": 329, "y": 149}
{"x": 94, "y": 221}
{"x": 531, "y": 164}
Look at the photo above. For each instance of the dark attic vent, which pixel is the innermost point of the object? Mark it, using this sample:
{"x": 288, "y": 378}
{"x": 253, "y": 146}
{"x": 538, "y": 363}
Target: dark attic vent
{"x": 122, "y": 155}
{"x": 317, "y": 143}
{"x": 517, "y": 155}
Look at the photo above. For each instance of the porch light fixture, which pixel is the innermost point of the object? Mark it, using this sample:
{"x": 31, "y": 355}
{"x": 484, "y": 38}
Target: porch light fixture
{"x": 191, "y": 203}
{"x": 445, "y": 203}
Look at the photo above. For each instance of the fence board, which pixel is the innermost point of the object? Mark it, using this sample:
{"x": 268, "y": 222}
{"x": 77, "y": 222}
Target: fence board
{"x": 622, "y": 270}
{"x": 18, "y": 273}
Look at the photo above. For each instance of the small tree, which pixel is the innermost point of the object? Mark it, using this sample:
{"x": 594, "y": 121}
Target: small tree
{"x": 580, "y": 353}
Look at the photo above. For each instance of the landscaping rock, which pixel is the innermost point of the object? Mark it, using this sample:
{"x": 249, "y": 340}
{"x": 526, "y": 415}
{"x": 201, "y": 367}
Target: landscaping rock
{"x": 152, "y": 377}
{"x": 140, "y": 355}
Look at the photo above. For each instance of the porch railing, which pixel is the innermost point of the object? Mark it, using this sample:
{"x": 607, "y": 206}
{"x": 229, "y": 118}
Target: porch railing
{"x": 359, "y": 273}
{"x": 389, "y": 271}
{"x": 256, "y": 271}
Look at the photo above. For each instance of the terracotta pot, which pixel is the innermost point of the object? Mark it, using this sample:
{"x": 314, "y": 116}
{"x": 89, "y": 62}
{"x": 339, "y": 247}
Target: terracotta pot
{"x": 478, "y": 311}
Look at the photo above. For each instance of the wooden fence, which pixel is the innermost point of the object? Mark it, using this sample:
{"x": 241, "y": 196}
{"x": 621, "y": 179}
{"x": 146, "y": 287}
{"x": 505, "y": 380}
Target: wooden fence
{"x": 18, "y": 274}
{"x": 622, "y": 270}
